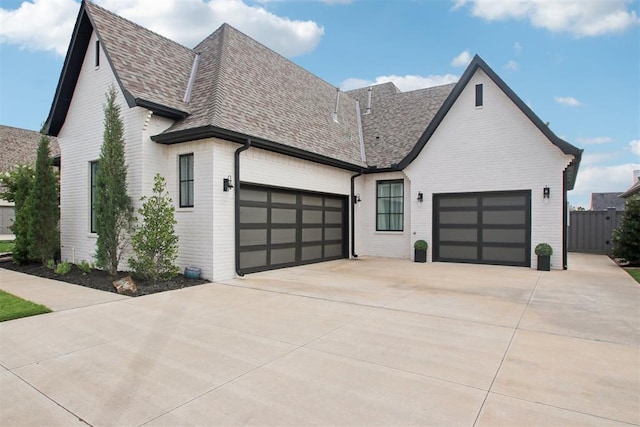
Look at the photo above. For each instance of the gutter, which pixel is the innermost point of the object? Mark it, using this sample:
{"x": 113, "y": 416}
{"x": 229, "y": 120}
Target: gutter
{"x": 236, "y": 178}
{"x": 353, "y": 214}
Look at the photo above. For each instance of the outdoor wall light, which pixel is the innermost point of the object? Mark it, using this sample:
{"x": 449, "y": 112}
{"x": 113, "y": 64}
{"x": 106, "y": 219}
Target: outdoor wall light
{"x": 546, "y": 192}
{"x": 227, "y": 184}
{"x": 356, "y": 199}
{"x": 420, "y": 196}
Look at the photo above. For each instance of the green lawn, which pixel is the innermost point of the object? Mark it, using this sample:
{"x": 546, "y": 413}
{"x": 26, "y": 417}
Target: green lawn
{"x": 6, "y": 247}
{"x": 13, "y": 307}
{"x": 635, "y": 273}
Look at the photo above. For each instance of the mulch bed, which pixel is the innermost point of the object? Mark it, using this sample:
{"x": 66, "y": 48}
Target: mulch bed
{"x": 98, "y": 279}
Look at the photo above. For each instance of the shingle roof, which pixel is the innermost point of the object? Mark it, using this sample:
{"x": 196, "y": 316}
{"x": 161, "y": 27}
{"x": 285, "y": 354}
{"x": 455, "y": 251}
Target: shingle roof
{"x": 245, "y": 87}
{"x": 20, "y": 146}
{"x": 634, "y": 189}
{"x": 604, "y": 201}
{"x": 397, "y": 119}
{"x": 150, "y": 67}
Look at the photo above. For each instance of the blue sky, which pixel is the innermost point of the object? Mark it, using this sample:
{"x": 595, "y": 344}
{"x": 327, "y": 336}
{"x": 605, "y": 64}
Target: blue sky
{"x": 576, "y": 63}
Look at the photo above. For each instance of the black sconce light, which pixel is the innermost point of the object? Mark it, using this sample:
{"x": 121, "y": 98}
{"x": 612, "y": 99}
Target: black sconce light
{"x": 420, "y": 196}
{"x": 356, "y": 199}
{"x": 546, "y": 192}
{"x": 227, "y": 184}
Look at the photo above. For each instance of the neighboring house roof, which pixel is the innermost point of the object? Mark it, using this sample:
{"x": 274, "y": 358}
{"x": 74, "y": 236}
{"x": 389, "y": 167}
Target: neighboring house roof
{"x": 634, "y": 189}
{"x": 242, "y": 90}
{"x": 20, "y": 146}
{"x": 604, "y": 201}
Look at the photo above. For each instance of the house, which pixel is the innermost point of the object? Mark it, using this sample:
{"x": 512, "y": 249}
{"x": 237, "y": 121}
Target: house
{"x": 635, "y": 187}
{"x": 604, "y": 201}
{"x": 269, "y": 166}
{"x": 18, "y": 147}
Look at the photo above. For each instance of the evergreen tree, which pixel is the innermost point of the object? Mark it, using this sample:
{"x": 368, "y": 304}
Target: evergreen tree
{"x": 626, "y": 238}
{"x": 43, "y": 235}
{"x": 154, "y": 242}
{"x": 17, "y": 186}
{"x": 113, "y": 206}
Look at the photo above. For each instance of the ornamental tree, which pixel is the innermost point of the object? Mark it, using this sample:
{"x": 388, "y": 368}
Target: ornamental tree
{"x": 43, "y": 234}
{"x": 16, "y": 187}
{"x": 154, "y": 241}
{"x": 113, "y": 205}
{"x": 626, "y": 238}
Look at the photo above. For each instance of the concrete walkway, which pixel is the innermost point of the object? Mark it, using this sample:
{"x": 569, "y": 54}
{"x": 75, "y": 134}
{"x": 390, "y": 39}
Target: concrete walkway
{"x": 368, "y": 341}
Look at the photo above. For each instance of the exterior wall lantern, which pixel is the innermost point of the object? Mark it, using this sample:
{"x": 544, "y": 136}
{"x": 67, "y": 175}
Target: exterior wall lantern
{"x": 420, "y": 196}
{"x": 546, "y": 192}
{"x": 227, "y": 184}
{"x": 356, "y": 199}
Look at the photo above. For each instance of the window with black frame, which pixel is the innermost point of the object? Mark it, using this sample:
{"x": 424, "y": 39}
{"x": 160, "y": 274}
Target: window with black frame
{"x": 390, "y": 205}
{"x": 186, "y": 180}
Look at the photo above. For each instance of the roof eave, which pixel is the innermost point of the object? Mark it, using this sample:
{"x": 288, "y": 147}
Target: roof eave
{"x": 211, "y": 131}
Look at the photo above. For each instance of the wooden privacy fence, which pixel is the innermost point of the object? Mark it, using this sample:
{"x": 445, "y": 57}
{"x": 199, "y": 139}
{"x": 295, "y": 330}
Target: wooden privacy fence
{"x": 591, "y": 231}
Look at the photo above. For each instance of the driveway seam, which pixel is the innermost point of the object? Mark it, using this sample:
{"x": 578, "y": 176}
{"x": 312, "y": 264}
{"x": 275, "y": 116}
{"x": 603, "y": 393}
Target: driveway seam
{"x": 504, "y": 356}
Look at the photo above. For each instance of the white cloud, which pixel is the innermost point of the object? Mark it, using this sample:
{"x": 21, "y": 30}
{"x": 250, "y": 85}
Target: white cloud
{"x": 595, "y": 141}
{"x": 461, "y": 60}
{"x": 591, "y": 159}
{"x": 47, "y": 24}
{"x": 580, "y": 18}
{"x": 635, "y": 147}
{"x": 596, "y": 179}
{"x": 517, "y": 47}
{"x": 569, "y": 101}
{"x": 512, "y": 65}
{"x": 404, "y": 83}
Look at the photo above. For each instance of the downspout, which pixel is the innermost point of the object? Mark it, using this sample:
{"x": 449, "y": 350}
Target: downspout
{"x": 565, "y": 225}
{"x": 353, "y": 214}
{"x": 236, "y": 178}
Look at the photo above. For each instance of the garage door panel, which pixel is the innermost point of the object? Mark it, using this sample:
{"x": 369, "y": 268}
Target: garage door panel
{"x": 485, "y": 228}
{"x": 281, "y": 228}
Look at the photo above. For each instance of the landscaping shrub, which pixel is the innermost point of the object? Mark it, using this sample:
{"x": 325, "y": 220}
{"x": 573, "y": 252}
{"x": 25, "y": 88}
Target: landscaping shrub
{"x": 154, "y": 241}
{"x": 17, "y": 186}
{"x": 626, "y": 238}
{"x": 84, "y": 266}
{"x": 63, "y": 268}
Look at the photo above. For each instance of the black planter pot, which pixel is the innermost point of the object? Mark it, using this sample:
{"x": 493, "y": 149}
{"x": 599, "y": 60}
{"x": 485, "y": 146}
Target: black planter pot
{"x": 544, "y": 263}
{"x": 420, "y": 255}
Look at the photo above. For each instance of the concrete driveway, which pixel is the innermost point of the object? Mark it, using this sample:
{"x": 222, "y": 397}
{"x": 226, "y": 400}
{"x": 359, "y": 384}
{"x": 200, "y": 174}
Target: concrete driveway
{"x": 352, "y": 342}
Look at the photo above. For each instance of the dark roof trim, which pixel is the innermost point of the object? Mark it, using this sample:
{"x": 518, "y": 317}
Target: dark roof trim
{"x": 478, "y": 63}
{"x": 71, "y": 71}
{"x": 216, "y": 132}
{"x": 161, "y": 110}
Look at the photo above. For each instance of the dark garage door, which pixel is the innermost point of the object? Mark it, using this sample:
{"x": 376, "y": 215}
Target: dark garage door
{"x": 483, "y": 228}
{"x": 282, "y": 228}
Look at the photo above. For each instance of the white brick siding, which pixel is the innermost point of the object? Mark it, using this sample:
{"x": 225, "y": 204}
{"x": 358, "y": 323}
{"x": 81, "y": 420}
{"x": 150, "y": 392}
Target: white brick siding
{"x": 491, "y": 148}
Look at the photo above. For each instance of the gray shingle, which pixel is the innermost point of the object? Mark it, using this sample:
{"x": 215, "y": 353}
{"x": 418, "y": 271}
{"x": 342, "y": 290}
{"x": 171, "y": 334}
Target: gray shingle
{"x": 397, "y": 119}
{"x": 604, "y": 201}
{"x": 20, "y": 146}
{"x": 150, "y": 67}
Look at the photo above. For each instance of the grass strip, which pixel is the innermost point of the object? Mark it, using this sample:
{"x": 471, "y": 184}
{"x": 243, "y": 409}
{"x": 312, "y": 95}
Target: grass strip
{"x": 13, "y": 307}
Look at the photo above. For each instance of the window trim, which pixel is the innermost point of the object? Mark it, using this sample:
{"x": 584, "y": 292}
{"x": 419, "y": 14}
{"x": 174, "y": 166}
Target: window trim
{"x": 189, "y": 181}
{"x": 479, "y": 95}
{"x": 97, "y": 59}
{"x": 93, "y": 189}
{"x": 378, "y": 198}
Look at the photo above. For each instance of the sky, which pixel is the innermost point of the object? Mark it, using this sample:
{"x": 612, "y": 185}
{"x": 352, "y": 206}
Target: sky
{"x": 576, "y": 63}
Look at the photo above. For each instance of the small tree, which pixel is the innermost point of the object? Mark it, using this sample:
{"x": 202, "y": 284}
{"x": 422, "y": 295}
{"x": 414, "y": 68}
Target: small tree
{"x": 113, "y": 206}
{"x": 43, "y": 233}
{"x": 17, "y": 186}
{"x": 154, "y": 242}
{"x": 626, "y": 238}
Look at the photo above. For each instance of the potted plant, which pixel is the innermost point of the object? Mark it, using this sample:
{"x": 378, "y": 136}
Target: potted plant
{"x": 544, "y": 252}
{"x": 420, "y": 251}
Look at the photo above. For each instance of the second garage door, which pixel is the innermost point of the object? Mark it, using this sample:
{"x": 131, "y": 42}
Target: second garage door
{"x": 483, "y": 228}
{"x": 282, "y": 228}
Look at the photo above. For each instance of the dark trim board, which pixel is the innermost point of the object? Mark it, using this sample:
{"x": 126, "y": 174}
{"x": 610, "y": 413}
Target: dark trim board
{"x": 282, "y": 227}
{"x": 483, "y": 227}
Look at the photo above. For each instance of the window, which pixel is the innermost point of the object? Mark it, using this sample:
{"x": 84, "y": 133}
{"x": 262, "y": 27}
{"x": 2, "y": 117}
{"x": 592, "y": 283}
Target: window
{"x": 479, "y": 95}
{"x": 186, "y": 180}
{"x": 93, "y": 166}
{"x": 97, "y": 53}
{"x": 390, "y": 206}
